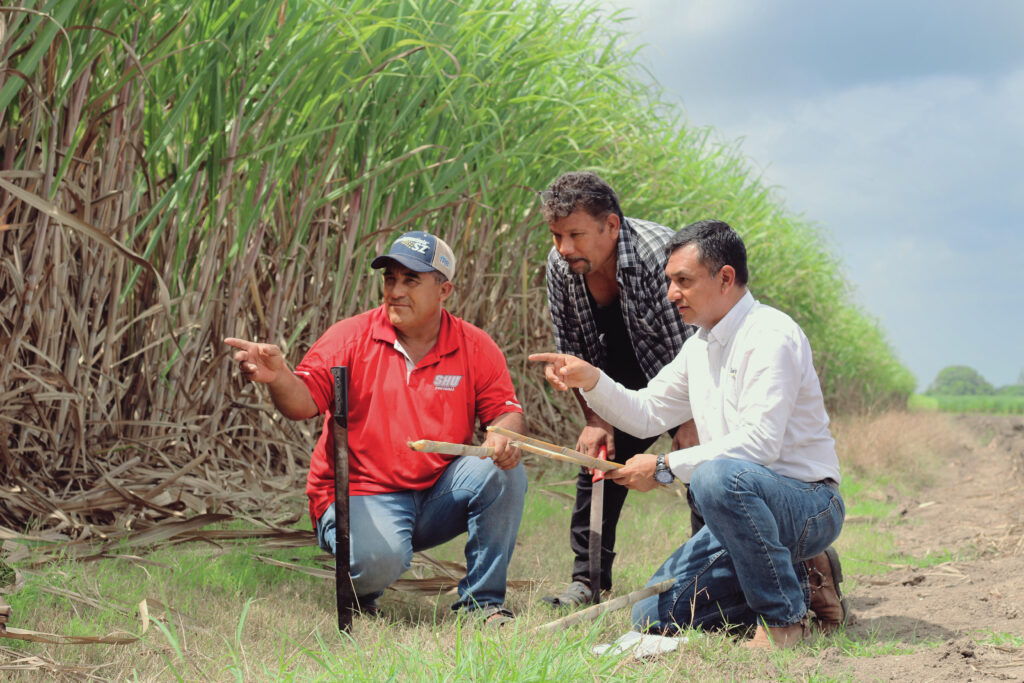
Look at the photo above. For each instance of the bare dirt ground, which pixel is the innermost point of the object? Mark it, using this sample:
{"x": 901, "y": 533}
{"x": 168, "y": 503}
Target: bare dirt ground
{"x": 976, "y": 509}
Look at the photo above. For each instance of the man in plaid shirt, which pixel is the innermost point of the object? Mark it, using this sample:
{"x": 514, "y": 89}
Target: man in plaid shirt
{"x": 607, "y": 293}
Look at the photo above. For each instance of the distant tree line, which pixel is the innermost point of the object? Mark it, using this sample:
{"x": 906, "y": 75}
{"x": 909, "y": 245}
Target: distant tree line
{"x": 961, "y": 380}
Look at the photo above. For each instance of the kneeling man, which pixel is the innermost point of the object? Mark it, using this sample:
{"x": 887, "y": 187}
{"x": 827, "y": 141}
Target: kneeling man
{"x": 415, "y": 372}
{"x": 765, "y": 476}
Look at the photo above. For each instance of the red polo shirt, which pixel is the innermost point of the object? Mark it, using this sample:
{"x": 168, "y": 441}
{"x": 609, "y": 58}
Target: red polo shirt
{"x": 464, "y": 377}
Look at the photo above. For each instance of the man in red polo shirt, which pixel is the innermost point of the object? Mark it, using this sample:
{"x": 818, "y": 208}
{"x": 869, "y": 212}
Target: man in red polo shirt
{"x": 415, "y": 372}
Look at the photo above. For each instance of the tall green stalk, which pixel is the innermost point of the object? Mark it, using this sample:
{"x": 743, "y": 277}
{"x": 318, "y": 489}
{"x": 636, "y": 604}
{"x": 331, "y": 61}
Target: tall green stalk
{"x": 258, "y": 155}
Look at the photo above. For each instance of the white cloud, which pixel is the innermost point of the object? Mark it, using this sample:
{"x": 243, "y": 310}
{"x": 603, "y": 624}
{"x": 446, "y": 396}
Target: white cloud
{"x": 703, "y": 16}
{"x": 788, "y": 47}
{"x": 919, "y": 183}
{"x": 920, "y": 151}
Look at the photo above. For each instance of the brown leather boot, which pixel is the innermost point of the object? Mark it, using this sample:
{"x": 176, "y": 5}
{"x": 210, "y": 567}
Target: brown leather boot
{"x": 782, "y": 637}
{"x": 824, "y": 573}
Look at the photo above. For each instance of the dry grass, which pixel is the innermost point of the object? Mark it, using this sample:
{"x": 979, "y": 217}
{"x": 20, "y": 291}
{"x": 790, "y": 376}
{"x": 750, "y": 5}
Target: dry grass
{"x": 905, "y": 446}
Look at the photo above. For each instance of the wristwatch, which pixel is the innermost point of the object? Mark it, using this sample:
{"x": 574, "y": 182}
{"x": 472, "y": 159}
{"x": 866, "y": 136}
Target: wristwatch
{"x": 662, "y": 474}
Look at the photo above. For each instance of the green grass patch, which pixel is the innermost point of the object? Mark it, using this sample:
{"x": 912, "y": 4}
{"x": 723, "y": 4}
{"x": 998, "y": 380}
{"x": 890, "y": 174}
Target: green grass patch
{"x": 922, "y": 403}
{"x": 215, "y": 612}
{"x": 1001, "y": 404}
{"x": 999, "y": 638}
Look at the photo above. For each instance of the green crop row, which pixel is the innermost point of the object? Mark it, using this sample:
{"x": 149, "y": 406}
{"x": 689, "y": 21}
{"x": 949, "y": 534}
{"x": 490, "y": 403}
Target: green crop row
{"x": 176, "y": 172}
{"x": 992, "y": 405}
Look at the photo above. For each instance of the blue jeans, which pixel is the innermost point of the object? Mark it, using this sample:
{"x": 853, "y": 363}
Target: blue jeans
{"x": 472, "y": 495}
{"x": 746, "y": 564}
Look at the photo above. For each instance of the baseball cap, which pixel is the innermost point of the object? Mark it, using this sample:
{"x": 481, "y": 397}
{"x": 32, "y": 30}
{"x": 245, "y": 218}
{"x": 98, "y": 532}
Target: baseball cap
{"x": 420, "y": 251}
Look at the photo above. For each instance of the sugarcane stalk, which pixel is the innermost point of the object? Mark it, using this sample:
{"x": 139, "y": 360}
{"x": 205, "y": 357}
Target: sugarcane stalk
{"x": 591, "y": 613}
{"x": 555, "y": 452}
{"x": 536, "y": 442}
{"x": 585, "y": 461}
{"x": 446, "y": 448}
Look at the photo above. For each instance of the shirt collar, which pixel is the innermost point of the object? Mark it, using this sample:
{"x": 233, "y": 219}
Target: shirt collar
{"x": 383, "y": 331}
{"x": 730, "y": 322}
{"x": 626, "y": 252}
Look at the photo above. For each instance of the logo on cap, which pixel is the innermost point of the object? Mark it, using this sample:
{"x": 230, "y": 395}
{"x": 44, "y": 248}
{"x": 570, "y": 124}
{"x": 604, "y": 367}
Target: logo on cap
{"x": 420, "y": 251}
{"x": 416, "y": 244}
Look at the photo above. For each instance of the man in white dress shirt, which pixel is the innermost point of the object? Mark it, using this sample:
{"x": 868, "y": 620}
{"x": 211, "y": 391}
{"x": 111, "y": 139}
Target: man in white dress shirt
{"x": 765, "y": 475}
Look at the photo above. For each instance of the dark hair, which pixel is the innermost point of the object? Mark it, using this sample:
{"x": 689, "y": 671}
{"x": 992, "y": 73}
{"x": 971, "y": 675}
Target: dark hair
{"x": 579, "y": 190}
{"x": 717, "y": 245}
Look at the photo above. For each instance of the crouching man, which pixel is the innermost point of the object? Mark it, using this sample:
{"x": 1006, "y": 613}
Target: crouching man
{"x": 415, "y": 372}
{"x": 765, "y": 476}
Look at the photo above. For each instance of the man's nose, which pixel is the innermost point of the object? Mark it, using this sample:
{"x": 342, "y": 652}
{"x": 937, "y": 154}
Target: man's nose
{"x": 564, "y": 246}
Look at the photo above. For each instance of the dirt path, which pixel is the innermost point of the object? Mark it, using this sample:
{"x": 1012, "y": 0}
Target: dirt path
{"x": 977, "y": 506}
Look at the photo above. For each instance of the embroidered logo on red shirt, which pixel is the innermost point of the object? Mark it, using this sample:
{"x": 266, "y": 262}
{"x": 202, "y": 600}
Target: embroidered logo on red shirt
{"x": 447, "y": 382}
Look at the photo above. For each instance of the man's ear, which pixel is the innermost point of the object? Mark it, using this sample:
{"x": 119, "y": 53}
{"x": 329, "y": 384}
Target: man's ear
{"x": 612, "y": 223}
{"x": 728, "y": 274}
{"x": 446, "y": 290}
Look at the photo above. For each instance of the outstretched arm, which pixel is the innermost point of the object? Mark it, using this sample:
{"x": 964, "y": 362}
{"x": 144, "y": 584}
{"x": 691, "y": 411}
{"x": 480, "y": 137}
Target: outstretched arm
{"x": 662, "y": 404}
{"x": 264, "y": 363}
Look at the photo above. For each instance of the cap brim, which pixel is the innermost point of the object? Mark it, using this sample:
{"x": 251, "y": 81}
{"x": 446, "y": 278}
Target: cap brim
{"x": 410, "y": 263}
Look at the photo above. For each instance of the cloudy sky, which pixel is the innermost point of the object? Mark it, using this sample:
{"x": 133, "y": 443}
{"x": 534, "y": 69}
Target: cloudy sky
{"x": 897, "y": 126}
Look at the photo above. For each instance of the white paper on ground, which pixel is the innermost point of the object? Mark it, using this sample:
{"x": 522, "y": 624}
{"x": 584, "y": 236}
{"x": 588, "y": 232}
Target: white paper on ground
{"x": 642, "y": 645}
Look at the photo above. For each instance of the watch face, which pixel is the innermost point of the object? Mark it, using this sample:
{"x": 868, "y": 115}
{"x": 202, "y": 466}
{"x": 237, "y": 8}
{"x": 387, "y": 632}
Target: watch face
{"x": 663, "y": 476}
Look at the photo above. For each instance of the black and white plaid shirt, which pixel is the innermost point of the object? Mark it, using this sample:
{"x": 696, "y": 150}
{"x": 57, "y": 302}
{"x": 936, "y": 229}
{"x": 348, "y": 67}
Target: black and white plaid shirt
{"x": 654, "y": 325}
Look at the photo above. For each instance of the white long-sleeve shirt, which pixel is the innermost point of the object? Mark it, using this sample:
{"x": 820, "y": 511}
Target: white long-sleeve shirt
{"x": 750, "y": 386}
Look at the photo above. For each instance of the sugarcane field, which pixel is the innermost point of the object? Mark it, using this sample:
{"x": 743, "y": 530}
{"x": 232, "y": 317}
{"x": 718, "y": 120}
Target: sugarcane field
{"x": 442, "y": 340}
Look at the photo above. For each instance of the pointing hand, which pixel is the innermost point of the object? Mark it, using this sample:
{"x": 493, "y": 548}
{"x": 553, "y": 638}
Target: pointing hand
{"x": 258, "y": 362}
{"x": 563, "y": 371}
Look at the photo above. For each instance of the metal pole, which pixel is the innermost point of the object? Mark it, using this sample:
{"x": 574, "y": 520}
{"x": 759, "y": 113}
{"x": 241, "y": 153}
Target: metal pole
{"x": 338, "y": 426}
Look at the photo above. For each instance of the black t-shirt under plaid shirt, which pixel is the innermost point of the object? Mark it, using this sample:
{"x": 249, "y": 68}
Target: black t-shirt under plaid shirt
{"x": 654, "y": 325}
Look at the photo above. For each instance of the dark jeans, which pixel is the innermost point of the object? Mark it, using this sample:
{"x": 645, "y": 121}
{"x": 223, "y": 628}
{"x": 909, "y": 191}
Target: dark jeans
{"x": 747, "y": 564}
{"x": 626, "y": 446}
